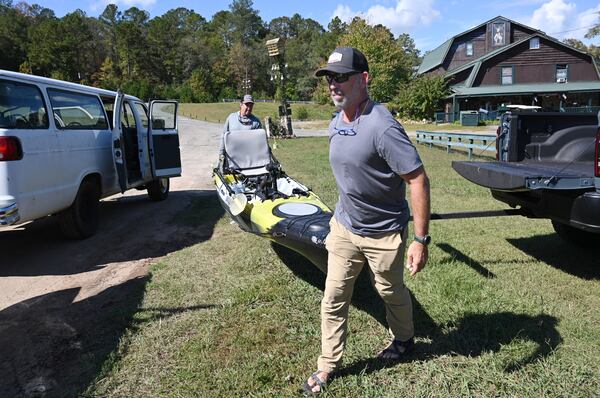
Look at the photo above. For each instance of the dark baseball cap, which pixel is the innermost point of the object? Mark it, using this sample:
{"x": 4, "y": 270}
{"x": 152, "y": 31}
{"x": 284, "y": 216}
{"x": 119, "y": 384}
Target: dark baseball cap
{"x": 344, "y": 60}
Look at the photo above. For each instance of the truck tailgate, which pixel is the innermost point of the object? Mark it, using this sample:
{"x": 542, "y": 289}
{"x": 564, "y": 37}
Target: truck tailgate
{"x": 520, "y": 176}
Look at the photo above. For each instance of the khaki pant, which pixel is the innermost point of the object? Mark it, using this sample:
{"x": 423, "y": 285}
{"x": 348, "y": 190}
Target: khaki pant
{"x": 348, "y": 253}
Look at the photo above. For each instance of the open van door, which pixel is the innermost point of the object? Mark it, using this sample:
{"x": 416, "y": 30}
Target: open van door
{"x": 164, "y": 139}
{"x": 117, "y": 142}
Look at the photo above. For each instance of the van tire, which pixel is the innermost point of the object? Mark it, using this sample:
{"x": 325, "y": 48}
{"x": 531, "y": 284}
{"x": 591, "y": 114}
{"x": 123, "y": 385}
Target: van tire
{"x": 158, "y": 189}
{"x": 80, "y": 220}
{"x": 575, "y": 235}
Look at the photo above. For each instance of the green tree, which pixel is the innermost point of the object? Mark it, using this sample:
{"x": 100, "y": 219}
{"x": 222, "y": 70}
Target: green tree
{"x": 419, "y": 98}
{"x": 170, "y": 53}
{"x": 108, "y": 34}
{"x": 43, "y": 46}
{"x": 594, "y": 30}
{"x": 76, "y": 48}
{"x": 304, "y": 56}
{"x": 199, "y": 85}
{"x": 592, "y": 49}
{"x": 247, "y": 26}
{"x": 410, "y": 49}
{"x": 132, "y": 43}
{"x": 389, "y": 66}
{"x": 13, "y": 36}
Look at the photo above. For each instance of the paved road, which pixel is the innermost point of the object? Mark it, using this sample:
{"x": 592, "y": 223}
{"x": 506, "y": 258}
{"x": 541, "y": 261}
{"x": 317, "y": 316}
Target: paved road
{"x": 56, "y": 295}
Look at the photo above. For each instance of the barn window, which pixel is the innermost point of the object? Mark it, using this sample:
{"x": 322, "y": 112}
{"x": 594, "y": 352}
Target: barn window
{"x": 534, "y": 43}
{"x": 507, "y": 75}
{"x": 469, "y": 49}
{"x": 561, "y": 73}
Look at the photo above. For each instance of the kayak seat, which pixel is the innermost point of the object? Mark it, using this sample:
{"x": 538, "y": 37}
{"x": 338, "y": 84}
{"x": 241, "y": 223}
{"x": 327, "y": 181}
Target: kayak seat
{"x": 247, "y": 152}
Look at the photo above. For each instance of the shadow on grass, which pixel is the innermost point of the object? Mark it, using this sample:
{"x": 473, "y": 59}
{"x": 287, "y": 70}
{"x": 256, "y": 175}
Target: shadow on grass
{"x": 472, "y": 335}
{"x": 562, "y": 255}
{"x": 56, "y": 344}
{"x": 53, "y": 347}
{"x": 463, "y": 258}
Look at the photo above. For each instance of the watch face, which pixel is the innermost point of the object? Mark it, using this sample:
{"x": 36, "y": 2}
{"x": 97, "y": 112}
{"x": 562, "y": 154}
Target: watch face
{"x": 423, "y": 239}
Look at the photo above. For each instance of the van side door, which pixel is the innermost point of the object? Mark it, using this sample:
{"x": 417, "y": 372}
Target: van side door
{"x": 165, "y": 156}
{"x": 117, "y": 142}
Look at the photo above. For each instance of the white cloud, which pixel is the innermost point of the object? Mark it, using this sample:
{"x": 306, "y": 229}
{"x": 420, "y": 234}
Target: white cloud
{"x": 404, "y": 17}
{"x": 561, "y": 20}
{"x": 100, "y": 5}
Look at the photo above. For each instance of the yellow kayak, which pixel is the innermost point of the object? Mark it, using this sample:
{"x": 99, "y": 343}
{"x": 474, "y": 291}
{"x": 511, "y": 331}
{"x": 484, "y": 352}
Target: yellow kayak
{"x": 290, "y": 215}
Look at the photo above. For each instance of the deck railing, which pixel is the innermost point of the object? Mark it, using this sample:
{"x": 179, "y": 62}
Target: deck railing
{"x": 483, "y": 142}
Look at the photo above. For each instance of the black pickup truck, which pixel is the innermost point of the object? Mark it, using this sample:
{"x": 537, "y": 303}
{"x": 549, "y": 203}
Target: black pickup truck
{"x": 548, "y": 165}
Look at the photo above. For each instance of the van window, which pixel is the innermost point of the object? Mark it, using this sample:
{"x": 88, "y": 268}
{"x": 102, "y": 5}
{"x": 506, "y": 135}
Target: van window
{"x": 75, "y": 111}
{"x": 21, "y": 106}
{"x": 143, "y": 113}
{"x": 127, "y": 118}
{"x": 163, "y": 116}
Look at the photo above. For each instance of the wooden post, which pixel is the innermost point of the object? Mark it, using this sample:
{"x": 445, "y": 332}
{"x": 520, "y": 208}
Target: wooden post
{"x": 470, "y": 148}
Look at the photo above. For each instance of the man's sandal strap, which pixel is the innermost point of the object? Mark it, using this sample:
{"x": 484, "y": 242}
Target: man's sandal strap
{"x": 317, "y": 379}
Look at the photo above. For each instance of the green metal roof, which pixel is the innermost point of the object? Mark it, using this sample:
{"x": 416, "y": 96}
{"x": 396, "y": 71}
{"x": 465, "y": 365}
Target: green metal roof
{"x": 516, "y": 89}
{"x": 435, "y": 57}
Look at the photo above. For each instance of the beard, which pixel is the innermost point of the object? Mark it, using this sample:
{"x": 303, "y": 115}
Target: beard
{"x": 339, "y": 103}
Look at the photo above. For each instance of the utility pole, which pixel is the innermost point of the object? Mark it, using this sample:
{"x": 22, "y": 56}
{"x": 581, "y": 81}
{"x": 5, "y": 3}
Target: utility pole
{"x": 276, "y": 48}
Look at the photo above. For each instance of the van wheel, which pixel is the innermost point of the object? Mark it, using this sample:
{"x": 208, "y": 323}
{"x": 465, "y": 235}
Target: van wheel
{"x": 80, "y": 220}
{"x": 576, "y": 236}
{"x": 158, "y": 189}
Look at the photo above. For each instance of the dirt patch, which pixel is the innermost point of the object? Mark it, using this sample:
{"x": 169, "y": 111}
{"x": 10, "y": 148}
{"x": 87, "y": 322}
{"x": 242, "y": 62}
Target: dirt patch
{"x": 66, "y": 304}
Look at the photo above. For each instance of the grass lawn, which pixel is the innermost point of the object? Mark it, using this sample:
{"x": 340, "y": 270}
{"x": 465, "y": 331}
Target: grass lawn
{"x": 217, "y": 112}
{"x": 318, "y": 115}
{"x": 504, "y": 308}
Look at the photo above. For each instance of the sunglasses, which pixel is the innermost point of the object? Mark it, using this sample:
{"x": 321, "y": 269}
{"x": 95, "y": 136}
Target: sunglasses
{"x": 339, "y": 77}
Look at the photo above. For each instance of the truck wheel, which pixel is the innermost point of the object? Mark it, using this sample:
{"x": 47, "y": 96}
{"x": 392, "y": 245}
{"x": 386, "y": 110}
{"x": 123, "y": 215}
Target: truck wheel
{"x": 576, "y": 236}
{"x": 158, "y": 189}
{"x": 80, "y": 220}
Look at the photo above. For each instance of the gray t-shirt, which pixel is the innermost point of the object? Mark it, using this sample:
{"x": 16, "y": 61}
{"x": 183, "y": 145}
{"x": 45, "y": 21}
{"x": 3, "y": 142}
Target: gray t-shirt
{"x": 236, "y": 122}
{"x": 367, "y": 157}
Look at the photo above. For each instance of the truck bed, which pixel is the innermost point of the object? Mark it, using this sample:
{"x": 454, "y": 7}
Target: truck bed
{"x": 519, "y": 176}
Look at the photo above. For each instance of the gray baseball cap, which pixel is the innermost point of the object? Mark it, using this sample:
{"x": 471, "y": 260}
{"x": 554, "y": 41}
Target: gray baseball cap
{"x": 247, "y": 99}
{"x": 344, "y": 60}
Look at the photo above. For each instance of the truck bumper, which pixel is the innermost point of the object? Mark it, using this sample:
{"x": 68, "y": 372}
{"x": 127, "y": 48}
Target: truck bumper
{"x": 578, "y": 209}
{"x": 9, "y": 214}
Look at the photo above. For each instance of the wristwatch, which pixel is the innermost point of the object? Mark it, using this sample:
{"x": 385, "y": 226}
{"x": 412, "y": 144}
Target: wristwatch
{"x": 424, "y": 240}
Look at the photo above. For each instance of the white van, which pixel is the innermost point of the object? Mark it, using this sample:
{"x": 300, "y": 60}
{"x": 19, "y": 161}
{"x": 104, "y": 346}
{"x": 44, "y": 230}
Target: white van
{"x": 64, "y": 146}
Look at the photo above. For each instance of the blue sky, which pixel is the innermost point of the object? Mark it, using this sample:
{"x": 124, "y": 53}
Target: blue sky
{"x": 429, "y": 22}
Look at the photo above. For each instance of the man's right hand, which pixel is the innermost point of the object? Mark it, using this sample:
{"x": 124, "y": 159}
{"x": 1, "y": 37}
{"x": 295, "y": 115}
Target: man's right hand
{"x": 416, "y": 257}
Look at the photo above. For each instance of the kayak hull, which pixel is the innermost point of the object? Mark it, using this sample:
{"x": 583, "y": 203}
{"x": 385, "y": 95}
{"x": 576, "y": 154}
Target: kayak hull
{"x": 299, "y": 221}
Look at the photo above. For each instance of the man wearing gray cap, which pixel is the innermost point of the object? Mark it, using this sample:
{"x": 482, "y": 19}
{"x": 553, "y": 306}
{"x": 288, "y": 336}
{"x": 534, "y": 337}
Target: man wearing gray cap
{"x": 242, "y": 120}
{"x": 372, "y": 160}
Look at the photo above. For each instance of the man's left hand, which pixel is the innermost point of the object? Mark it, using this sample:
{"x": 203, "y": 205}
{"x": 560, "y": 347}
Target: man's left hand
{"x": 416, "y": 257}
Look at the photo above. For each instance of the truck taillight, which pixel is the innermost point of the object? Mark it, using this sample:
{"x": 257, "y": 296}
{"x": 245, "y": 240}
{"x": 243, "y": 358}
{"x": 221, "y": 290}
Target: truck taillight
{"x": 597, "y": 157}
{"x": 10, "y": 149}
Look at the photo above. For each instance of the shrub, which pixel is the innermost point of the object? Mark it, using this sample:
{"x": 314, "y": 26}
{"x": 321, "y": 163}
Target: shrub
{"x": 301, "y": 113}
{"x": 419, "y": 98}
